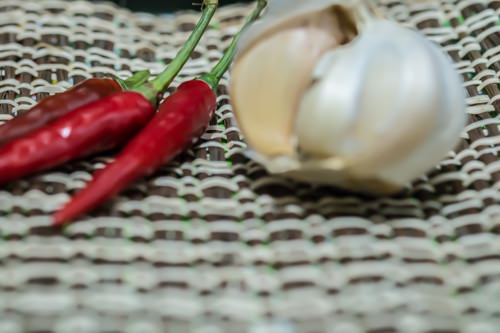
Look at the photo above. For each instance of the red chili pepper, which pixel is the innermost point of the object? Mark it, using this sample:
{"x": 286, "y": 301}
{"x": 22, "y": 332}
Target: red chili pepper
{"x": 182, "y": 118}
{"x": 54, "y": 107}
{"x": 92, "y": 128}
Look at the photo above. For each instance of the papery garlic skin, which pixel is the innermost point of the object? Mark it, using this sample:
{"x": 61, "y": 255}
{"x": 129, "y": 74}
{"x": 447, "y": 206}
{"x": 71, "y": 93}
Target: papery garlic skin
{"x": 370, "y": 115}
{"x": 281, "y": 14}
{"x": 389, "y": 106}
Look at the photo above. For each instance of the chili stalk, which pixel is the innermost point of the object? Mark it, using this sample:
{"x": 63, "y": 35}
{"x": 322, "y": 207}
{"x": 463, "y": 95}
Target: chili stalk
{"x": 182, "y": 118}
{"x": 96, "y": 126}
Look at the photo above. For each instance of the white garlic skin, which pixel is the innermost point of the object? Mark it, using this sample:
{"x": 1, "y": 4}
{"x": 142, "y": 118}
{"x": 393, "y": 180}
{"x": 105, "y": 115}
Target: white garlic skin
{"x": 279, "y": 13}
{"x": 382, "y": 109}
{"x": 389, "y": 105}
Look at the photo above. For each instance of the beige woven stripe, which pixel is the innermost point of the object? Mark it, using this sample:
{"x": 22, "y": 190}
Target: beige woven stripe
{"x": 211, "y": 242}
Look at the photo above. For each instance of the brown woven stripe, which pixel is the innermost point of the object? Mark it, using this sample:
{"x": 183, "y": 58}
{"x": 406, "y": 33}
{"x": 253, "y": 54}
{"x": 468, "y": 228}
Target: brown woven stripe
{"x": 211, "y": 240}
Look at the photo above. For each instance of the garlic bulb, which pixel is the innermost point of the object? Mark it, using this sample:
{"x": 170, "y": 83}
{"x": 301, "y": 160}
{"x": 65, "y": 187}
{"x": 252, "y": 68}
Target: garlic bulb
{"x": 327, "y": 92}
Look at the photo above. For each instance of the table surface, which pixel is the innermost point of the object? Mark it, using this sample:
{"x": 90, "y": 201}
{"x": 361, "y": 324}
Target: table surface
{"x": 211, "y": 241}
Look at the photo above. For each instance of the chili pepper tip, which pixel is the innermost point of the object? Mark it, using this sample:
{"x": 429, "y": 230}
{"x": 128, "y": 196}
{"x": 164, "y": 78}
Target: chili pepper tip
{"x": 182, "y": 117}
{"x": 58, "y": 221}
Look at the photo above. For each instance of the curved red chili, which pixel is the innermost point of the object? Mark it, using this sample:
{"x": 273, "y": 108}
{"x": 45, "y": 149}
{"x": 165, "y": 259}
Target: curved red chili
{"x": 87, "y": 128}
{"x": 92, "y": 128}
{"x": 56, "y": 106}
{"x": 181, "y": 118}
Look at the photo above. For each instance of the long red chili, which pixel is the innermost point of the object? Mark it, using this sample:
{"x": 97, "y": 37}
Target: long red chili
{"x": 53, "y": 107}
{"x": 92, "y": 128}
{"x": 182, "y": 118}
{"x": 97, "y": 126}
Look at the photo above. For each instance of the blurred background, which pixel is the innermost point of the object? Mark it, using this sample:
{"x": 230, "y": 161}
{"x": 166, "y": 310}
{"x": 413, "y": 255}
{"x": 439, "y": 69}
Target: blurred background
{"x": 162, "y": 6}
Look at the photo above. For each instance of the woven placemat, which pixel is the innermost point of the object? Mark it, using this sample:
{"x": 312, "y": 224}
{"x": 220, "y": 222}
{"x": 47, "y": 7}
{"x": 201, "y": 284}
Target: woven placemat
{"x": 211, "y": 242}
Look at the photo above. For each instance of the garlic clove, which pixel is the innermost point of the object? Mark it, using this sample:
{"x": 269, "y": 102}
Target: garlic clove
{"x": 320, "y": 102}
{"x": 265, "y": 113}
{"x": 445, "y": 131}
{"x": 377, "y": 103}
{"x": 279, "y": 69}
{"x": 325, "y": 112}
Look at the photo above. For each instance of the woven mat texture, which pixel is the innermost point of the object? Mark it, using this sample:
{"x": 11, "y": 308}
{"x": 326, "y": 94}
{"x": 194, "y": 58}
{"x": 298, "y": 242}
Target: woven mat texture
{"x": 211, "y": 242}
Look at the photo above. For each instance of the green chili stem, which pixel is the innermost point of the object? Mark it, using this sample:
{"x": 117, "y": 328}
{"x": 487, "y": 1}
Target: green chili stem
{"x": 163, "y": 80}
{"x": 215, "y": 75}
{"x": 134, "y": 81}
